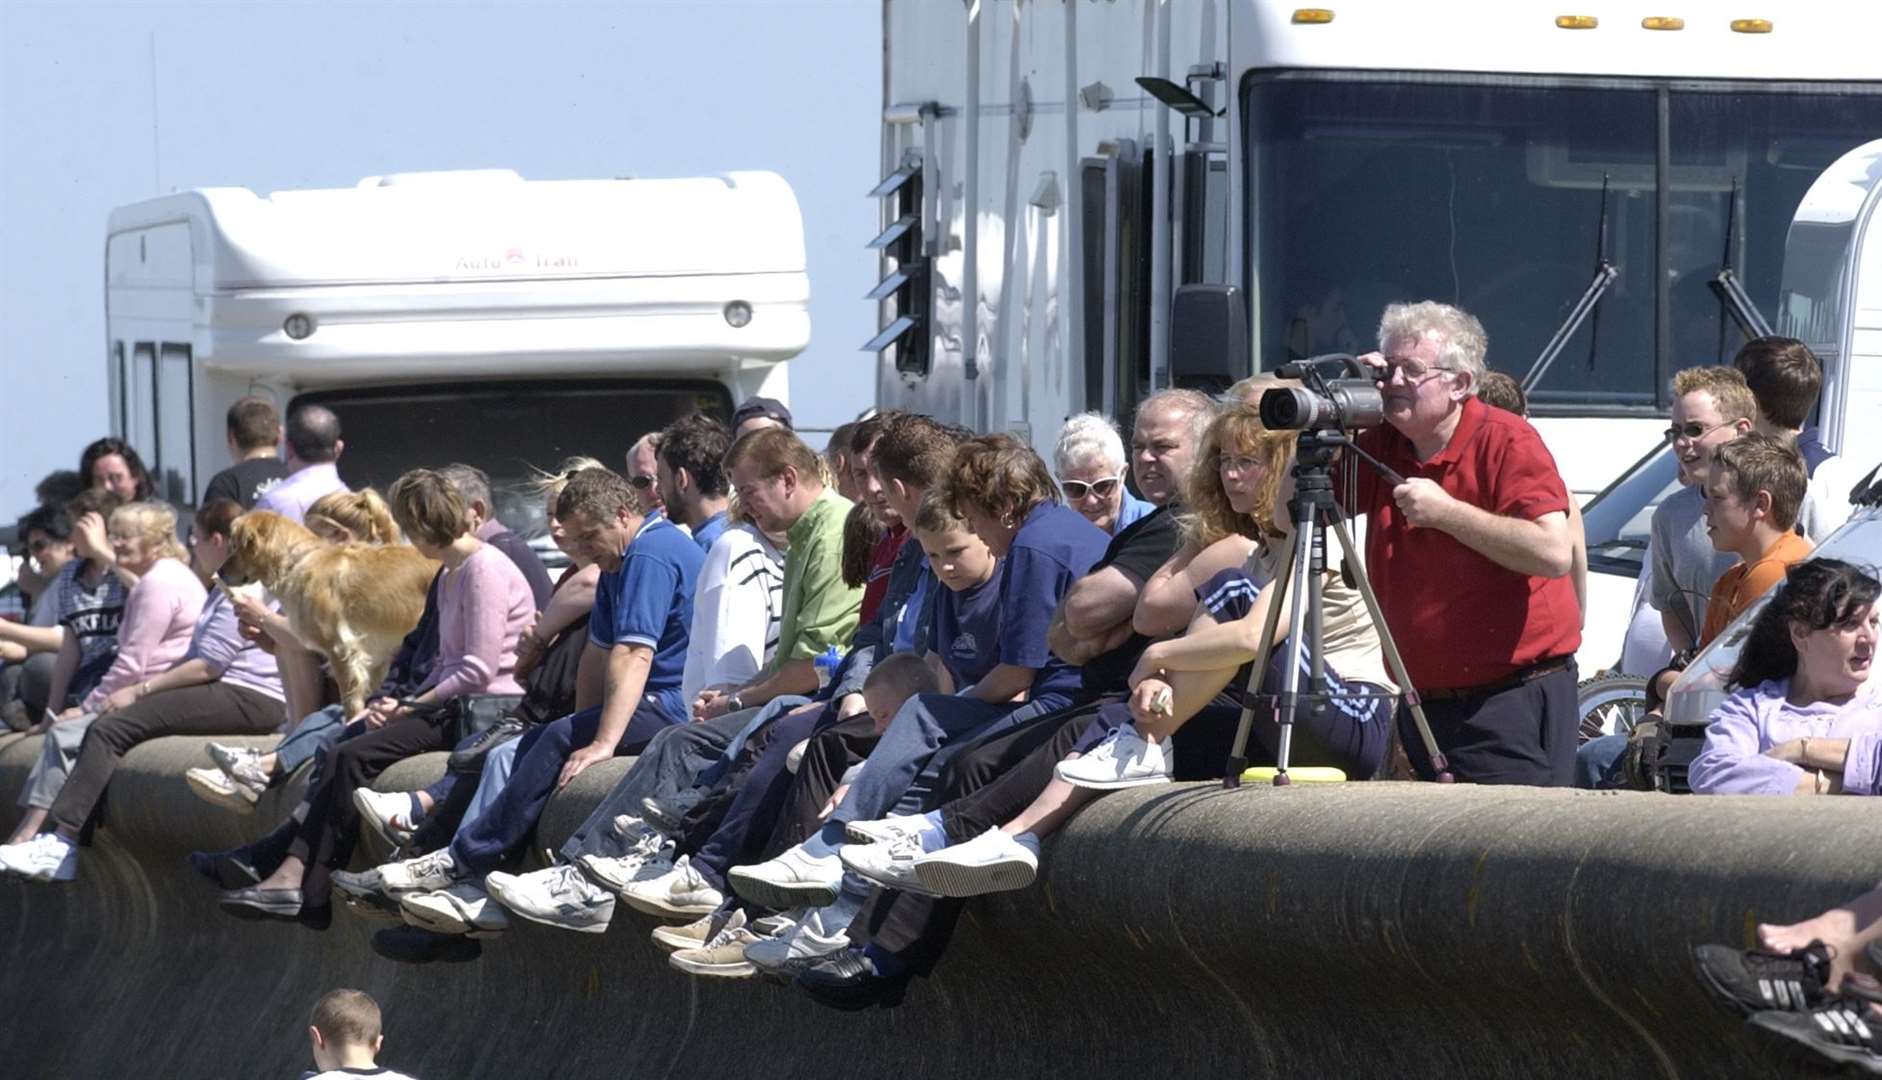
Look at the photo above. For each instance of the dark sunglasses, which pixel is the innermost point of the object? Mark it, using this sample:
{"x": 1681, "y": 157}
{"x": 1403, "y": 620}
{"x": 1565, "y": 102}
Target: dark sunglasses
{"x": 1693, "y": 430}
{"x": 1078, "y": 489}
{"x": 643, "y": 481}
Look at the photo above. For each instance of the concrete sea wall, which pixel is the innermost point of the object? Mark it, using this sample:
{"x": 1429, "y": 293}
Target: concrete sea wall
{"x": 1340, "y": 931}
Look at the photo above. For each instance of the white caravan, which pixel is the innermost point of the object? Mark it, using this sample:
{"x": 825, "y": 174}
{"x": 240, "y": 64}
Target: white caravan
{"x": 1060, "y": 178}
{"x": 462, "y": 316}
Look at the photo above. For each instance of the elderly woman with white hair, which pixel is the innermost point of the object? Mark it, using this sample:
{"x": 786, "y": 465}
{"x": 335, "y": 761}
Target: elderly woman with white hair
{"x": 1090, "y": 465}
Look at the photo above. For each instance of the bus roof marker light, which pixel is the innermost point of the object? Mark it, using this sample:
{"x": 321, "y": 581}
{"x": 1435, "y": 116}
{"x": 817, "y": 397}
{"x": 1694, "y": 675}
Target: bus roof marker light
{"x": 1663, "y": 22}
{"x": 298, "y": 327}
{"x": 1576, "y": 22}
{"x": 1751, "y": 26}
{"x": 1312, "y": 16}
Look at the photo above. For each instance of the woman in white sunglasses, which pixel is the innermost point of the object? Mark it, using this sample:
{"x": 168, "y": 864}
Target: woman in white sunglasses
{"x": 1089, "y": 463}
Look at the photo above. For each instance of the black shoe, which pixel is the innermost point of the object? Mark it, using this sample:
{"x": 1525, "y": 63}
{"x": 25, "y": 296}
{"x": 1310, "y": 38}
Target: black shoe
{"x": 848, "y": 981}
{"x": 1752, "y": 981}
{"x": 411, "y": 945}
{"x": 226, "y": 870}
{"x": 1842, "y": 1030}
{"x": 666, "y": 815}
{"x": 255, "y": 903}
{"x": 469, "y": 756}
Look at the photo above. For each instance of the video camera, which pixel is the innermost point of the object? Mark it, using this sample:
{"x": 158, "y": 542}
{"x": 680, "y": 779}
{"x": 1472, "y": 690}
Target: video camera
{"x": 1340, "y": 394}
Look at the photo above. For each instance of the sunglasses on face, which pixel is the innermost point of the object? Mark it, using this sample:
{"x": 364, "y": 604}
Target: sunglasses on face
{"x": 1078, "y": 489}
{"x": 641, "y": 482}
{"x": 1692, "y": 430}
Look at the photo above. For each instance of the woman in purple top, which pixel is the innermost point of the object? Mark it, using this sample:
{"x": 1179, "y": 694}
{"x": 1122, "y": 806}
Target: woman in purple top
{"x": 484, "y": 606}
{"x": 224, "y": 685}
{"x": 1805, "y": 719}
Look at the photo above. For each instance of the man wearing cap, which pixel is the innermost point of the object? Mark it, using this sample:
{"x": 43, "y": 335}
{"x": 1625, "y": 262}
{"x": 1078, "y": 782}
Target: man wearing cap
{"x": 760, "y": 412}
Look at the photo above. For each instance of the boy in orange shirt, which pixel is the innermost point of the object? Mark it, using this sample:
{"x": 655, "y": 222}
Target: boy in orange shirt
{"x": 1753, "y": 491}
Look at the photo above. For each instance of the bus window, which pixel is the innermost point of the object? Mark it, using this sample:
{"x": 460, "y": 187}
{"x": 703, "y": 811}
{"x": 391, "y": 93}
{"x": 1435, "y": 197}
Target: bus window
{"x": 140, "y": 427}
{"x": 1115, "y": 194}
{"x": 506, "y": 429}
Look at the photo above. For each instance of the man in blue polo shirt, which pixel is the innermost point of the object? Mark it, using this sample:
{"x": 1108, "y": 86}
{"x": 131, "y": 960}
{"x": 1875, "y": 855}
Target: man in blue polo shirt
{"x": 632, "y": 666}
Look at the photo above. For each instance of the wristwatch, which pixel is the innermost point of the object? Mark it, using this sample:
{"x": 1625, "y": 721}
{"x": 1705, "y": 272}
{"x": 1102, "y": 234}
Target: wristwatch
{"x": 733, "y": 704}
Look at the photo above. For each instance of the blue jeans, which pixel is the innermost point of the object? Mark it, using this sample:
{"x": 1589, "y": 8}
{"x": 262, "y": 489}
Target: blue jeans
{"x": 666, "y": 766}
{"x": 1598, "y": 761}
{"x": 481, "y": 845}
{"x": 315, "y": 732}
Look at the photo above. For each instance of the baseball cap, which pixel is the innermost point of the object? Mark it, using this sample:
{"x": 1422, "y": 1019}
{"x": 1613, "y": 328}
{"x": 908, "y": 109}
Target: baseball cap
{"x": 754, "y": 408}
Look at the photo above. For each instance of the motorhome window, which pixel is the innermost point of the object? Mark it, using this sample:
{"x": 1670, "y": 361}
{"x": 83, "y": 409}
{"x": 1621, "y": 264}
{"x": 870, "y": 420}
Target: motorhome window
{"x": 1205, "y": 217}
{"x": 140, "y": 430}
{"x": 120, "y": 391}
{"x": 175, "y": 465}
{"x": 1487, "y": 193}
{"x": 506, "y": 429}
{"x": 1115, "y": 218}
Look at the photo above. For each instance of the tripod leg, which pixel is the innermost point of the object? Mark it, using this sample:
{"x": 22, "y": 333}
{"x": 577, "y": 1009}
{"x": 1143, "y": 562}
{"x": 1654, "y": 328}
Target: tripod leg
{"x": 1439, "y": 764}
{"x": 1238, "y": 755}
{"x": 1303, "y": 619}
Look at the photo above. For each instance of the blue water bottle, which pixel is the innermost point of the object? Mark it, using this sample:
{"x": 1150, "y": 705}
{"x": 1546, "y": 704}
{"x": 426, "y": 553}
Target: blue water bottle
{"x": 826, "y": 663}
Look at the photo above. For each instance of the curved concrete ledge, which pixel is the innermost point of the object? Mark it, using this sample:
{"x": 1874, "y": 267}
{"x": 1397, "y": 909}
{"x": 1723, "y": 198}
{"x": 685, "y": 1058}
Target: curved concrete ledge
{"x": 1358, "y": 930}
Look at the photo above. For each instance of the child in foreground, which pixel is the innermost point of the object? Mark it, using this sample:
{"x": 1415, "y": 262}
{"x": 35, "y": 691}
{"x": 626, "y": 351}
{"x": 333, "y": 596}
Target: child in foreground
{"x": 346, "y": 1038}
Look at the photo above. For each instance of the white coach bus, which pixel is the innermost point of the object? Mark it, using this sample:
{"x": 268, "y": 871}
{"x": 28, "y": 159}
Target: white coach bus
{"x": 460, "y": 316}
{"x": 1089, "y": 200}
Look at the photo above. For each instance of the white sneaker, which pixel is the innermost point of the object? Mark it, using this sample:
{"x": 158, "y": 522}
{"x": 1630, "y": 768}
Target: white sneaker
{"x": 1124, "y": 759}
{"x": 46, "y": 857}
{"x": 680, "y": 893}
{"x": 388, "y": 814}
{"x": 793, "y": 879}
{"x": 464, "y": 908}
{"x": 215, "y": 786}
{"x": 887, "y": 829}
{"x": 890, "y": 865}
{"x": 990, "y": 862}
{"x": 558, "y": 896}
{"x": 794, "y": 950}
{"x": 639, "y": 863}
{"x": 426, "y": 873}
{"x": 631, "y": 828}
{"x": 722, "y": 955}
{"x": 694, "y": 934}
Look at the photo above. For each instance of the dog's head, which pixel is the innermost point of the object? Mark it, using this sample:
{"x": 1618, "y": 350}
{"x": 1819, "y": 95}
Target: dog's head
{"x": 262, "y": 548}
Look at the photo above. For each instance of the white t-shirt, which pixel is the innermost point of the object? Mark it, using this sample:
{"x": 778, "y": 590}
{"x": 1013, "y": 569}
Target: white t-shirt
{"x": 352, "y": 1074}
{"x": 736, "y": 606}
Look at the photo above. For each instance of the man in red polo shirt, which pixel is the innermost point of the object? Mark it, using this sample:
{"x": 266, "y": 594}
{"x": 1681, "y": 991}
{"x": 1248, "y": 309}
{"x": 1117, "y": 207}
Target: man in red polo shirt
{"x": 1471, "y": 557}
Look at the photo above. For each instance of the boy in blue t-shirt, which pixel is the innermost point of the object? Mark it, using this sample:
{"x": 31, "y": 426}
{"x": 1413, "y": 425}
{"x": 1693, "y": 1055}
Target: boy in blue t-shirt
{"x": 966, "y": 633}
{"x": 637, "y": 634}
{"x": 1006, "y": 496}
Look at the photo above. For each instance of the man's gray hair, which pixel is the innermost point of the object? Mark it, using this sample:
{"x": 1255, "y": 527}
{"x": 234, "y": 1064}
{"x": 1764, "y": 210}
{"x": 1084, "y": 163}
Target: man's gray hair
{"x": 471, "y": 482}
{"x": 1462, "y": 344}
{"x": 1085, "y": 437}
{"x": 1198, "y": 406}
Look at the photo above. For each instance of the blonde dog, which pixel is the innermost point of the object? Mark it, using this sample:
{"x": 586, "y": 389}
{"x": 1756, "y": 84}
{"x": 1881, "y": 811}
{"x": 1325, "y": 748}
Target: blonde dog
{"x": 352, "y": 603}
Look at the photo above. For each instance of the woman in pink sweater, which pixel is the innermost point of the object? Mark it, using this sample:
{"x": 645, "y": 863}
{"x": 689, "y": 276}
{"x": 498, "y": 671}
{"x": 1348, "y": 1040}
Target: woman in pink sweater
{"x": 159, "y": 616}
{"x": 484, "y": 606}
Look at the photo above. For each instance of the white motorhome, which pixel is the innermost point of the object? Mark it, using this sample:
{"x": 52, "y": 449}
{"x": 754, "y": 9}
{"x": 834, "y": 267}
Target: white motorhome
{"x": 1060, "y": 177}
{"x": 462, "y": 316}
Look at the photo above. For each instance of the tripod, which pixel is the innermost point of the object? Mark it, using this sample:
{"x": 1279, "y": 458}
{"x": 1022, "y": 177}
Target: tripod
{"x": 1313, "y": 510}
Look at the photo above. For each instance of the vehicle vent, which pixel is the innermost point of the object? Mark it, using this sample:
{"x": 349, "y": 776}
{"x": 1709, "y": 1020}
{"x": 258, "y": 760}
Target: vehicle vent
{"x": 904, "y": 293}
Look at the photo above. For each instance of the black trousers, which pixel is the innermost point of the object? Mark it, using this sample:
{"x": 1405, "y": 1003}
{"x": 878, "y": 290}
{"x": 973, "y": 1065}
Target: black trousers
{"x": 211, "y": 708}
{"x": 1526, "y": 734}
{"x": 325, "y": 839}
{"x": 830, "y": 754}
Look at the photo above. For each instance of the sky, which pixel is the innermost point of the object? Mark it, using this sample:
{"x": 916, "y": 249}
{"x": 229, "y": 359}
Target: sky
{"x": 103, "y": 104}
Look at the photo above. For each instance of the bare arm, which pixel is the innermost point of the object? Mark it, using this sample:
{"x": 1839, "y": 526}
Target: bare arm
{"x": 627, "y": 667}
{"x": 591, "y": 677}
{"x": 1539, "y": 548}
{"x": 1578, "y": 569}
{"x": 792, "y": 677}
{"x": 1005, "y": 683}
{"x": 33, "y": 639}
{"x": 1096, "y": 603}
{"x": 1169, "y": 597}
{"x": 570, "y": 604}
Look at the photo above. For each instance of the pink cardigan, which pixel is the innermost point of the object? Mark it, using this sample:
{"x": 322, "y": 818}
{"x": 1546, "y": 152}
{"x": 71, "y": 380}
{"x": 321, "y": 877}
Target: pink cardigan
{"x": 159, "y": 617}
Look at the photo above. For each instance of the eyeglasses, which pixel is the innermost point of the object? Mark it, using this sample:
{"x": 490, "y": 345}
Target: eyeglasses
{"x": 1692, "y": 431}
{"x": 1078, "y": 489}
{"x": 1239, "y": 464}
{"x": 642, "y": 482}
{"x": 1411, "y": 372}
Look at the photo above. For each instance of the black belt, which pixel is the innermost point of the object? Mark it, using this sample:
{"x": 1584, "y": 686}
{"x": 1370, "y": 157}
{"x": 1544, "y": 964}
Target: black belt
{"x": 1508, "y": 682}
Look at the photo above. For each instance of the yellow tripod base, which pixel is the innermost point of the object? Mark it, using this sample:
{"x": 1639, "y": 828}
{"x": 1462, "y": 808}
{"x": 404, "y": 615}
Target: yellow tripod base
{"x": 1303, "y": 774}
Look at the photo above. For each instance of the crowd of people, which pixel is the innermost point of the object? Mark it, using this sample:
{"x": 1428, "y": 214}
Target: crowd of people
{"x": 863, "y": 685}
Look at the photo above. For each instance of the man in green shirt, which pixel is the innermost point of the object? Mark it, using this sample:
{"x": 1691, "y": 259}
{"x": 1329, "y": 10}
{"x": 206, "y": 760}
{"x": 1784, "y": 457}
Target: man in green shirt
{"x": 779, "y": 484}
